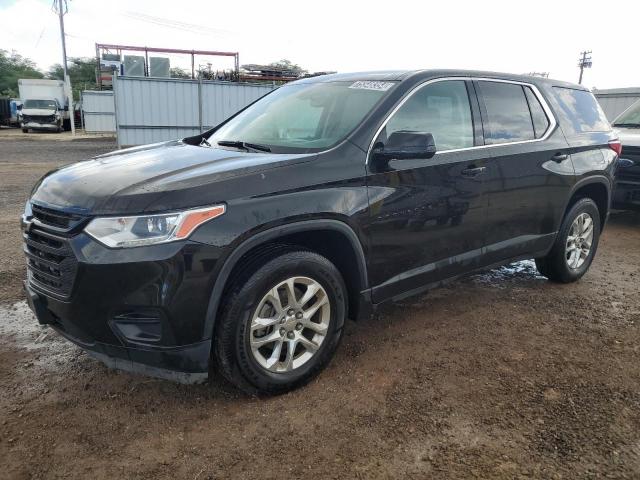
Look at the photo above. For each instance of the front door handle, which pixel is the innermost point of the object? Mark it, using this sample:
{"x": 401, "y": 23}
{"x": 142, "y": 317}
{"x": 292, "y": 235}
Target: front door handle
{"x": 473, "y": 171}
{"x": 559, "y": 157}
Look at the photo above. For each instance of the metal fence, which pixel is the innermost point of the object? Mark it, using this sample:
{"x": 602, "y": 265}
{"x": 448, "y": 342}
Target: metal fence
{"x": 149, "y": 110}
{"x": 614, "y": 101}
{"x": 98, "y": 111}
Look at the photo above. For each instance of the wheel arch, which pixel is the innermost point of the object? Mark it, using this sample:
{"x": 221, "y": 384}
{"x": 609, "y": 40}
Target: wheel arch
{"x": 356, "y": 279}
{"x": 598, "y": 188}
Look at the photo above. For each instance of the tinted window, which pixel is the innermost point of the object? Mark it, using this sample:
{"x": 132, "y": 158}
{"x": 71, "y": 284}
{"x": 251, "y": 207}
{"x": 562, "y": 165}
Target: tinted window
{"x": 580, "y": 112}
{"x": 630, "y": 117}
{"x": 540, "y": 120}
{"x": 44, "y": 104}
{"x": 508, "y": 117}
{"x": 440, "y": 108}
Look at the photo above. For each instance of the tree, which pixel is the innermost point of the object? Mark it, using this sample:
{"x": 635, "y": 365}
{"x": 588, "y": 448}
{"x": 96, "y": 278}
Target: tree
{"x": 289, "y": 66}
{"x": 177, "y": 72}
{"x": 82, "y": 73}
{"x": 13, "y": 67}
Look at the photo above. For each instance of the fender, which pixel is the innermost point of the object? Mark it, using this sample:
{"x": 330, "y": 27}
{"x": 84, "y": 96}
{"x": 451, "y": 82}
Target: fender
{"x": 601, "y": 179}
{"x": 272, "y": 234}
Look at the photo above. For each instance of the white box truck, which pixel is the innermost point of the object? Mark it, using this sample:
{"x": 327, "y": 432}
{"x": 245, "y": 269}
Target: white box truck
{"x": 45, "y": 105}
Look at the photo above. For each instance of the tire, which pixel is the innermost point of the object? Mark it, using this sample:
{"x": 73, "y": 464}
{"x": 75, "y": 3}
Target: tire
{"x": 556, "y": 265}
{"x": 236, "y": 357}
{"x": 25, "y": 130}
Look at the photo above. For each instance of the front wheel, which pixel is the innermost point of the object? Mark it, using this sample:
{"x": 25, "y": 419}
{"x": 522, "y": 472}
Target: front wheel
{"x": 282, "y": 323}
{"x": 575, "y": 245}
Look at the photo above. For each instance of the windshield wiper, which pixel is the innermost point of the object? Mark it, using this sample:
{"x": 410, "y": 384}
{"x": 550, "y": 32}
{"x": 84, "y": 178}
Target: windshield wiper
{"x": 629, "y": 125}
{"x": 244, "y": 145}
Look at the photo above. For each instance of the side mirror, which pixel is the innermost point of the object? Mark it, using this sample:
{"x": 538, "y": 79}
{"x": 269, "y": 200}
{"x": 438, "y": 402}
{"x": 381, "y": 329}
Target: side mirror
{"x": 19, "y": 107}
{"x": 66, "y": 108}
{"x": 403, "y": 145}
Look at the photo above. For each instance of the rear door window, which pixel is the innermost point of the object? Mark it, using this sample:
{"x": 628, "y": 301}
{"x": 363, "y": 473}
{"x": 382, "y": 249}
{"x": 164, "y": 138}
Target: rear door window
{"x": 508, "y": 117}
{"x": 580, "y": 112}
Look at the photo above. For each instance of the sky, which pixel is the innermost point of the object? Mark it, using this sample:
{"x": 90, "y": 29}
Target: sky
{"x": 514, "y": 37}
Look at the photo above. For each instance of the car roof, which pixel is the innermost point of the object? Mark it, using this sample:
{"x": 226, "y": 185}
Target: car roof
{"x": 402, "y": 75}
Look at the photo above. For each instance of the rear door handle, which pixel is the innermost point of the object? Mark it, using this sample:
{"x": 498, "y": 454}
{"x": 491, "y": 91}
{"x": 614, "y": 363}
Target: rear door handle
{"x": 559, "y": 157}
{"x": 473, "y": 171}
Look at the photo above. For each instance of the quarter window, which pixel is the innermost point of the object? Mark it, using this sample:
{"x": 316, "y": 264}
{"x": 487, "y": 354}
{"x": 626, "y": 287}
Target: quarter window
{"x": 580, "y": 112}
{"x": 540, "y": 119}
{"x": 508, "y": 117}
{"x": 440, "y": 108}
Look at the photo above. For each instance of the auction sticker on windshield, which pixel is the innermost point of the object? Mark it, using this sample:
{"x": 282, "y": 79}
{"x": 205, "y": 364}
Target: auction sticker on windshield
{"x": 370, "y": 85}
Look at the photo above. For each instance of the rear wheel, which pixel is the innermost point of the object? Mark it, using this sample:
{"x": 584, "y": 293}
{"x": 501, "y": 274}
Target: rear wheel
{"x": 282, "y": 323}
{"x": 575, "y": 245}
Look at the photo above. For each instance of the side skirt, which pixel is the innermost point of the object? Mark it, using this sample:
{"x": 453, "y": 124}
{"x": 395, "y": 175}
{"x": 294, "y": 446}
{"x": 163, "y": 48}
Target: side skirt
{"x": 365, "y": 297}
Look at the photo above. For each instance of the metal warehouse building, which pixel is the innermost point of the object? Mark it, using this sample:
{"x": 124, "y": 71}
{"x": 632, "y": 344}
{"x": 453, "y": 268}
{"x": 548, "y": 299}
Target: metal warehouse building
{"x": 614, "y": 101}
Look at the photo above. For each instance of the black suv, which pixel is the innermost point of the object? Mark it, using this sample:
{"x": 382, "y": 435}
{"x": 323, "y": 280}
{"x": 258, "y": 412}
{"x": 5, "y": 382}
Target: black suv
{"x": 247, "y": 247}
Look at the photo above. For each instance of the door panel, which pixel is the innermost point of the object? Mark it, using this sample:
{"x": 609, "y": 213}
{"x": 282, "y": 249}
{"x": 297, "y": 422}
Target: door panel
{"x": 526, "y": 190}
{"x": 530, "y": 172}
{"x": 427, "y": 222}
{"x": 427, "y": 216}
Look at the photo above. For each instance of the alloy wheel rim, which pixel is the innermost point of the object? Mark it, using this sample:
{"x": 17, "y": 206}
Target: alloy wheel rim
{"x": 579, "y": 240}
{"x": 289, "y": 324}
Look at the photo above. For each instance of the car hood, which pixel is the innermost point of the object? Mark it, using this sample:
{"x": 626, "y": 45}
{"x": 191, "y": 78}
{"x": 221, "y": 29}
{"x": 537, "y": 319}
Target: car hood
{"x": 629, "y": 136}
{"x": 154, "y": 177}
{"x": 38, "y": 111}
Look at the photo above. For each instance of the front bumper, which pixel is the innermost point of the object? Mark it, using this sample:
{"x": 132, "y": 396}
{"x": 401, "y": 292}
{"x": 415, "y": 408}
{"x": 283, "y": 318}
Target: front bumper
{"x": 140, "y": 309}
{"x": 41, "y": 126}
{"x": 184, "y": 364}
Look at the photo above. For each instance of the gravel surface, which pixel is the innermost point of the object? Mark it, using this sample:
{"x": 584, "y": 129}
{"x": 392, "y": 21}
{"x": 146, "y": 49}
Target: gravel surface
{"x": 500, "y": 375}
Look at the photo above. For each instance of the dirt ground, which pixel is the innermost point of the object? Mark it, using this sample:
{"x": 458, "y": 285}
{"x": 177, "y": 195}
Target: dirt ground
{"x": 501, "y": 375}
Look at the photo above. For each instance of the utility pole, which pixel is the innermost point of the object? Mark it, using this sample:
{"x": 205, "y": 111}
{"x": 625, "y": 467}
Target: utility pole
{"x": 61, "y": 8}
{"x": 584, "y": 62}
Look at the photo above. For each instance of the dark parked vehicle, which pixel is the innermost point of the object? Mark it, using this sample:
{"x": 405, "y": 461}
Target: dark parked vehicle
{"x": 5, "y": 111}
{"x": 627, "y": 188}
{"x": 247, "y": 247}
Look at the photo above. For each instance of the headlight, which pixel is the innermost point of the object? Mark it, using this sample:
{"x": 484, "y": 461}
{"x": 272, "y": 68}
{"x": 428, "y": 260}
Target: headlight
{"x": 121, "y": 232}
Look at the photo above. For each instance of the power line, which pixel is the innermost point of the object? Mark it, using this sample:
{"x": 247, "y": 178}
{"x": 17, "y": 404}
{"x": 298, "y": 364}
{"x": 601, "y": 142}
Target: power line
{"x": 165, "y": 22}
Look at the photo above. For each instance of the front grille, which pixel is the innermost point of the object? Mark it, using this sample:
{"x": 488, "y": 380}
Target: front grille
{"x": 51, "y": 263}
{"x": 57, "y": 219}
{"x": 630, "y": 173}
{"x": 39, "y": 118}
{"x": 630, "y": 150}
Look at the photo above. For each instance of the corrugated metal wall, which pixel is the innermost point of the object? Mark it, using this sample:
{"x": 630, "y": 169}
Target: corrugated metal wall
{"x": 152, "y": 110}
{"x": 616, "y": 100}
{"x": 98, "y": 110}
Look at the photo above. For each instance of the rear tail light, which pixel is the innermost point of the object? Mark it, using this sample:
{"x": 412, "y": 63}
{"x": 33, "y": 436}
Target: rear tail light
{"x": 616, "y": 146}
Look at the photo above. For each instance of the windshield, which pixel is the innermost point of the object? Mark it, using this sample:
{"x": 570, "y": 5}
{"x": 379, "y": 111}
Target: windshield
{"x": 630, "y": 117}
{"x": 44, "y": 104}
{"x": 303, "y": 118}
